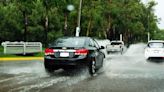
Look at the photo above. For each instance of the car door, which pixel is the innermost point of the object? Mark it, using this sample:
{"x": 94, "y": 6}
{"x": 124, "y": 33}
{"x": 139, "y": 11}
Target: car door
{"x": 100, "y": 55}
{"x": 94, "y": 51}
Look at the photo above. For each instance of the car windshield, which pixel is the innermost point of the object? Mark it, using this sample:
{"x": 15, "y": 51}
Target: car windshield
{"x": 69, "y": 42}
{"x": 116, "y": 43}
{"x": 156, "y": 45}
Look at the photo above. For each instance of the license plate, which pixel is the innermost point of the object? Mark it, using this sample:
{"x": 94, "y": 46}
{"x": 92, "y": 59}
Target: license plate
{"x": 64, "y": 54}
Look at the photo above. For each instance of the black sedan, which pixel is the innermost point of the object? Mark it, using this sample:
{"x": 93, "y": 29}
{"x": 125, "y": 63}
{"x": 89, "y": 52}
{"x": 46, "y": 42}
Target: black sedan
{"x": 67, "y": 52}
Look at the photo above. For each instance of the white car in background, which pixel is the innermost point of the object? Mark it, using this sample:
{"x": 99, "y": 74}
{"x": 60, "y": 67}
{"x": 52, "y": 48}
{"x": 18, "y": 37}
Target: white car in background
{"x": 115, "y": 46}
{"x": 154, "y": 49}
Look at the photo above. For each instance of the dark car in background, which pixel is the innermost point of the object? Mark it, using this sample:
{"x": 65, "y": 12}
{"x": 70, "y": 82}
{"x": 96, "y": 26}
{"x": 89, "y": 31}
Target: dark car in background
{"x": 67, "y": 52}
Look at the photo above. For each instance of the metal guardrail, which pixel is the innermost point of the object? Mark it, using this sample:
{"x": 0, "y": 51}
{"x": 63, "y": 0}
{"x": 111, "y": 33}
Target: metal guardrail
{"x": 21, "y": 47}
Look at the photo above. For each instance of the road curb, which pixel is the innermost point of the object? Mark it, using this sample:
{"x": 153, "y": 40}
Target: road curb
{"x": 20, "y": 58}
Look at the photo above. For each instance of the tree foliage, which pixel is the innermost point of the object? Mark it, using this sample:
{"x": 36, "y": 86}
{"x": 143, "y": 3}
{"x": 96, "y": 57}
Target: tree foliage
{"x": 46, "y": 20}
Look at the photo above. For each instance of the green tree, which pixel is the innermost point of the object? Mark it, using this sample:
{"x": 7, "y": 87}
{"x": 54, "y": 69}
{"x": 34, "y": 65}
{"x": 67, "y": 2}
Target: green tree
{"x": 46, "y": 20}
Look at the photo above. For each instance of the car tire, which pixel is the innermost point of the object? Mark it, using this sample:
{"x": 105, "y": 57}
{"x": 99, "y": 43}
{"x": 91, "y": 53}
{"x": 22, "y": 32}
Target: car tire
{"x": 122, "y": 51}
{"x": 49, "y": 68}
{"x": 102, "y": 63}
{"x": 92, "y": 67}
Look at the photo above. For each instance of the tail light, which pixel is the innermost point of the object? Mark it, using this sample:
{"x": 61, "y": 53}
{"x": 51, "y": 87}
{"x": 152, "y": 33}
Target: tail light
{"x": 81, "y": 52}
{"x": 49, "y": 51}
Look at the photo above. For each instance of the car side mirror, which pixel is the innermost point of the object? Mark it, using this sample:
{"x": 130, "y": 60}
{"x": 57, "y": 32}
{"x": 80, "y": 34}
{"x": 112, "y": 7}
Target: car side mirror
{"x": 102, "y": 47}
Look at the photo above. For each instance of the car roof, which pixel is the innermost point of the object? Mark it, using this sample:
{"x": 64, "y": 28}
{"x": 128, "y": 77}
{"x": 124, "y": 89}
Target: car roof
{"x": 82, "y": 37}
{"x": 156, "y": 41}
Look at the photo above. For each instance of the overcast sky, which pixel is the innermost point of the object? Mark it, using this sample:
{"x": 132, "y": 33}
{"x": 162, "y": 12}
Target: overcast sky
{"x": 159, "y": 12}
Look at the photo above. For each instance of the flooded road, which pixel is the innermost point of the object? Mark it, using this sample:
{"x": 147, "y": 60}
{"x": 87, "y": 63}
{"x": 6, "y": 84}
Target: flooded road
{"x": 129, "y": 72}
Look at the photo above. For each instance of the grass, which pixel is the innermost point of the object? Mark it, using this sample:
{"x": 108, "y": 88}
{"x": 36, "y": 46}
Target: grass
{"x": 41, "y": 54}
{"x": 1, "y": 49}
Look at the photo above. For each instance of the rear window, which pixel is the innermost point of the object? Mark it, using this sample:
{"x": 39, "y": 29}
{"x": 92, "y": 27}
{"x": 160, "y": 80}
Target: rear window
{"x": 116, "y": 43}
{"x": 156, "y": 45}
{"x": 69, "y": 42}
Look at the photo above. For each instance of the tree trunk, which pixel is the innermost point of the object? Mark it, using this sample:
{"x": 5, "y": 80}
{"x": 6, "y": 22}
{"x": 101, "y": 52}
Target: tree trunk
{"x": 108, "y": 30}
{"x": 65, "y": 25}
{"x": 25, "y": 25}
{"x": 46, "y": 30}
{"x": 89, "y": 27}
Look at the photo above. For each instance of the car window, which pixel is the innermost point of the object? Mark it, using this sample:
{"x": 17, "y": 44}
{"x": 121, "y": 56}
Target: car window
{"x": 96, "y": 44}
{"x": 91, "y": 43}
{"x": 116, "y": 43}
{"x": 156, "y": 45}
{"x": 69, "y": 42}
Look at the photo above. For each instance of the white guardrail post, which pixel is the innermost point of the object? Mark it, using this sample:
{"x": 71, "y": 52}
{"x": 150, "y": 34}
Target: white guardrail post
{"x": 40, "y": 47}
{"x": 4, "y": 45}
{"x": 24, "y": 48}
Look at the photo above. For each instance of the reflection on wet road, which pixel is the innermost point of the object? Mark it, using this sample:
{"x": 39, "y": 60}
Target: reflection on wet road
{"x": 129, "y": 72}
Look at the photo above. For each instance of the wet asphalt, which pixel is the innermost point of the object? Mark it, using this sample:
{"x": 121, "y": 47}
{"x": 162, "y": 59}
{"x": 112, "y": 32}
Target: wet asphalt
{"x": 129, "y": 72}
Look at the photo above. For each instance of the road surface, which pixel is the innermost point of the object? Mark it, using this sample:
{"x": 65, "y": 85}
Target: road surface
{"x": 129, "y": 72}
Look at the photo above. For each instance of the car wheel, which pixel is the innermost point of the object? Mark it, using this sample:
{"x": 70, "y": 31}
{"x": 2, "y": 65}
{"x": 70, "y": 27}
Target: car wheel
{"x": 92, "y": 67}
{"x": 122, "y": 51}
{"x": 48, "y": 67}
{"x": 102, "y": 63}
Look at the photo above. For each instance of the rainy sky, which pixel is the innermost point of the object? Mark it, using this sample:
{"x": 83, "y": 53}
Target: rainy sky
{"x": 159, "y": 12}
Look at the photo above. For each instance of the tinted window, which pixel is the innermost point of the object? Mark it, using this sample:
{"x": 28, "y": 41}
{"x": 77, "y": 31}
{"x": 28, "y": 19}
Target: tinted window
{"x": 96, "y": 44}
{"x": 156, "y": 45}
{"x": 91, "y": 43}
{"x": 69, "y": 42}
{"x": 116, "y": 43}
